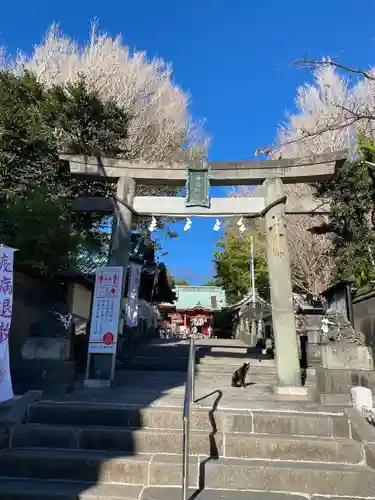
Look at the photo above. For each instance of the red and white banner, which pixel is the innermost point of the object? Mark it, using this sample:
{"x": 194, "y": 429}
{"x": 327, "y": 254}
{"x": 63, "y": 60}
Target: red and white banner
{"x": 106, "y": 309}
{"x": 6, "y": 308}
{"x": 133, "y": 294}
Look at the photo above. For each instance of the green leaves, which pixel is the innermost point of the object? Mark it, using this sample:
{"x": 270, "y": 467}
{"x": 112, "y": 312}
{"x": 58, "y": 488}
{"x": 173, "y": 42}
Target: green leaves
{"x": 35, "y": 224}
{"x": 36, "y": 124}
{"x": 232, "y": 263}
{"x": 88, "y": 125}
{"x": 352, "y": 195}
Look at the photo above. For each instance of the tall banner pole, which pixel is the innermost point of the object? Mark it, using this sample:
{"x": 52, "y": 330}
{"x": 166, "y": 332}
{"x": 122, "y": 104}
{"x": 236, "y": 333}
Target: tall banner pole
{"x": 133, "y": 294}
{"x": 6, "y": 309}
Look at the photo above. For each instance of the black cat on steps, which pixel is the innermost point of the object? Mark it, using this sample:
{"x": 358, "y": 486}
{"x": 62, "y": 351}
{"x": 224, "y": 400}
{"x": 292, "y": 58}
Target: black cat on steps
{"x": 239, "y": 376}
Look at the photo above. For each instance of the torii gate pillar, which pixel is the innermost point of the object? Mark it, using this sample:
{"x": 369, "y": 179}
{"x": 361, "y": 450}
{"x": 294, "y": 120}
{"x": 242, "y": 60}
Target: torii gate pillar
{"x": 287, "y": 359}
{"x": 100, "y": 364}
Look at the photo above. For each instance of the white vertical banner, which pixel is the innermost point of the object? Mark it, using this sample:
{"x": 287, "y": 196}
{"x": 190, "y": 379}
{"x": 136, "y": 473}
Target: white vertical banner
{"x": 6, "y": 308}
{"x": 106, "y": 310}
{"x": 133, "y": 293}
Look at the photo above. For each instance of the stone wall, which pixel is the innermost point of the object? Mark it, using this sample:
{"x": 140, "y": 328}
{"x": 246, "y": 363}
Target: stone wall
{"x": 334, "y": 386}
{"x": 32, "y": 299}
{"x": 81, "y": 301}
{"x": 37, "y": 334}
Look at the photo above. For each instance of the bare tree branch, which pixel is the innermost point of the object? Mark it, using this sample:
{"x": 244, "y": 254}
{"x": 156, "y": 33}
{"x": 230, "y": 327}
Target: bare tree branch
{"x": 330, "y": 111}
{"x": 314, "y": 63}
{"x": 161, "y": 128}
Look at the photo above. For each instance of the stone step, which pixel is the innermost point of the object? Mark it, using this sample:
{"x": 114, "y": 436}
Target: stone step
{"x": 206, "y": 494}
{"x": 75, "y": 465}
{"x": 260, "y": 422}
{"x": 229, "y": 369}
{"x": 235, "y": 361}
{"x": 166, "y": 470}
{"x": 291, "y": 477}
{"x": 163, "y": 350}
{"x": 150, "y": 379}
{"x": 224, "y": 377}
{"x": 157, "y": 363}
{"x": 63, "y": 490}
{"x": 95, "y": 467}
{"x": 258, "y": 368}
{"x": 118, "y": 439}
{"x": 28, "y": 489}
{"x": 156, "y": 441}
{"x": 233, "y": 350}
{"x": 292, "y": 448}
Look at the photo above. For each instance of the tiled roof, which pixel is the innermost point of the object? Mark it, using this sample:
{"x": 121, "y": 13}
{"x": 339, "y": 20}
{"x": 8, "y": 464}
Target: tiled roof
{"x": 87, "y": 260}
{"x": 247, "y": 300}
{"x": 189, "y": 297}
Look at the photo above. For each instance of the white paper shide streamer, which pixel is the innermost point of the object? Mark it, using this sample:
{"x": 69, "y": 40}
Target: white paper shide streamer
{"x": 241, "y": 225}
{"x": 153, "y": 225}
{"x": 6, "y": 308}
{"x": 217, "y": 225}
{"x": 188, "y": 224}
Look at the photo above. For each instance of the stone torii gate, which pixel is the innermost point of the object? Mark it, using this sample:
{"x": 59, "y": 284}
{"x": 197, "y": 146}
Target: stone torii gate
{"x": 271, "y": 173}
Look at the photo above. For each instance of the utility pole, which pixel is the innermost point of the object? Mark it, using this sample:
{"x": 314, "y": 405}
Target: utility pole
{"x": 252, "y": 287}
{"x": 252, "y": 270}
{"x": 253, "y": 331}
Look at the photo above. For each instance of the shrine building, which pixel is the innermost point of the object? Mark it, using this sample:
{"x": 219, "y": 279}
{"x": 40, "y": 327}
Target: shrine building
{"x": 193, "y": 309}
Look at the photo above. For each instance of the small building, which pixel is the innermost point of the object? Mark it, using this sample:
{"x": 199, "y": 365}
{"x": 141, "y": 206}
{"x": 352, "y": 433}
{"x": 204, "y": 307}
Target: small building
{"x": 194, "y": 308}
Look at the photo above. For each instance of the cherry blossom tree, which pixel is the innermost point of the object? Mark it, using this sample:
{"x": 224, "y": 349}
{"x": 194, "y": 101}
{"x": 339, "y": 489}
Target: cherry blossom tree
{"x": 311, "y": 256}
{"x": 322, "y": 122}
{"x": 161, "y": 128}
{"x": 337, "y": 112}
{"x": 331, "y": 111}
{"x": 312, "y": 262}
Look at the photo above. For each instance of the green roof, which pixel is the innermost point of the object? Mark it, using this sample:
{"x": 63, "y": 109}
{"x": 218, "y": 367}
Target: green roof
{"x": 207, "y": 297}
{"x": 87, "y": 259}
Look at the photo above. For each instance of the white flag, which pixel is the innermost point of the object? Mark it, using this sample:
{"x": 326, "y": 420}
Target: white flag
{"x": 133, "y": 293}
{"x": 6, "y": 307}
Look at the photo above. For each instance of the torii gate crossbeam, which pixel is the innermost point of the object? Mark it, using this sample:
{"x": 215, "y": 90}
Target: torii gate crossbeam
{"x": 174, "y": 206}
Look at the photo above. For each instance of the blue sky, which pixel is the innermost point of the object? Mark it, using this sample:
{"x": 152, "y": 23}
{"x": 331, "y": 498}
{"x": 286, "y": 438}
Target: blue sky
{"x": 234, "y": 57}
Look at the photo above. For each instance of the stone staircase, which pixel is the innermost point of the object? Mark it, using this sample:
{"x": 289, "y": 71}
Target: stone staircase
{"x": 164, "y": 356}
{"x": 69, "y": 451}
{"x": 126, "y": 443}
{"x": 174, "y": 356}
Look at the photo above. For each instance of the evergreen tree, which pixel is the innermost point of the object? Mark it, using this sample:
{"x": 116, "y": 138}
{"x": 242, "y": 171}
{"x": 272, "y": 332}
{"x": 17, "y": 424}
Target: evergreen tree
{"x": 36, "y": 188}
{"x": 232, "y": 263}
{"x": 352, "y": 194}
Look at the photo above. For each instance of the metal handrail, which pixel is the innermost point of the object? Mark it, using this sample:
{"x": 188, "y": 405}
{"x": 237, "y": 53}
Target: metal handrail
{"x": 189, "y": 399}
